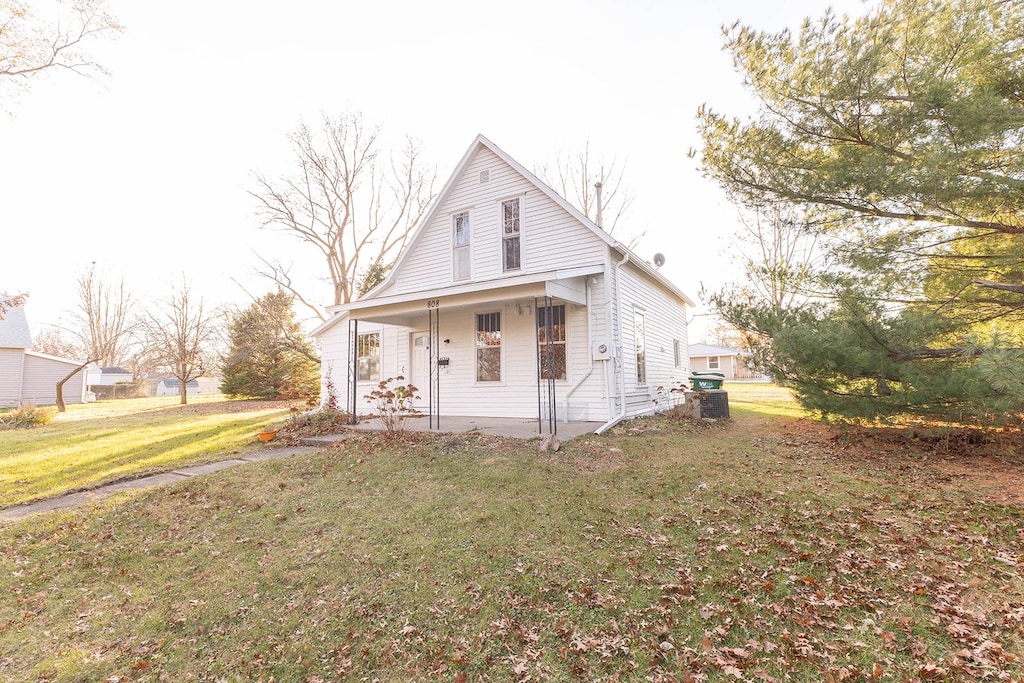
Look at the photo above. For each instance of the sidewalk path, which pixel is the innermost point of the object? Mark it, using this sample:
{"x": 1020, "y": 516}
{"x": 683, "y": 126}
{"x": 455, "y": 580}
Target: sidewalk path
{"x": 100, "y": 492}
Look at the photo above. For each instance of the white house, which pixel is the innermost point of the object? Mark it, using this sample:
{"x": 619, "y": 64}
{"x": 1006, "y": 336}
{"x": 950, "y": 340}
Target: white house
{"x": 508, "y": 302}
{"x": 731, "y": 363}
{"x": 30, "y": 378}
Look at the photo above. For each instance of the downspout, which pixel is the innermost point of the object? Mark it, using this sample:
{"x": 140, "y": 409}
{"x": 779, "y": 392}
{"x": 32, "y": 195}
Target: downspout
{"x": 622, "y": 366}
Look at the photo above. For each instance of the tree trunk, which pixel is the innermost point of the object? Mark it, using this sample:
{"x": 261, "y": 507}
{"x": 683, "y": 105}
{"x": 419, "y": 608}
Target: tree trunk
{"x": 60, "y": 385}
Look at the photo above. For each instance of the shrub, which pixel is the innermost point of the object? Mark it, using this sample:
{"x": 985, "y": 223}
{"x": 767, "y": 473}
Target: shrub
{"x": 25, "y": 417}
{"x": 393, "y": 402}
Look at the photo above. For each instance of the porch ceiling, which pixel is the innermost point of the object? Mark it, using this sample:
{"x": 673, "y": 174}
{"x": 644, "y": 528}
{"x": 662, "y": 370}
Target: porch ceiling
{"x": 411, "y": 310}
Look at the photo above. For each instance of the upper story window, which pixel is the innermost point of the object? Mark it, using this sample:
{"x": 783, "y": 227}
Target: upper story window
{"x": 510, "y": 247}
{"x": 460, "y": 246}
{"x": 488, "y": 347}
{"x": 551, "y": 341}
{"x": 368, "y": 357}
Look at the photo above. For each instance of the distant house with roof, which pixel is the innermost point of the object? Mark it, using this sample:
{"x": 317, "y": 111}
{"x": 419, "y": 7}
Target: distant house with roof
{"x": 732, "y": 363}
{"x": 28, "y": 377}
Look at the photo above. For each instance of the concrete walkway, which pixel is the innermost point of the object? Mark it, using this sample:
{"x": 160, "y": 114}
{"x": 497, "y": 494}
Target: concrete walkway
{"x": 101, "y": 492}
{"x": 510, "y": 427}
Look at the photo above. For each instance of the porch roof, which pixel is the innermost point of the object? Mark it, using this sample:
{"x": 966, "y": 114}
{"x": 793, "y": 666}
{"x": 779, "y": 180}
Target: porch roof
{"x": 411, "y": 308}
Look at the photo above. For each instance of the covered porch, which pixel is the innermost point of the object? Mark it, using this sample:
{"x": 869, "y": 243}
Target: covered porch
{"x": 490, "y": 353}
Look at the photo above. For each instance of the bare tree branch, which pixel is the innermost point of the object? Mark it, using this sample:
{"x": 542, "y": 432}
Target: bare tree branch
{"x": 346, "y": 201}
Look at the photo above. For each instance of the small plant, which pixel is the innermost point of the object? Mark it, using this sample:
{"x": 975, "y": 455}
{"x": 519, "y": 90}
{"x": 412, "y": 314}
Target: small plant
{"x": 393, "y": 402}
{"x": 25, "y": 417}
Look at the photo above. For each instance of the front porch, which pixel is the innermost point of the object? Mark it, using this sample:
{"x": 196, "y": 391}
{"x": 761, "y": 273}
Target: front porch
{"x": 517, "y": 428}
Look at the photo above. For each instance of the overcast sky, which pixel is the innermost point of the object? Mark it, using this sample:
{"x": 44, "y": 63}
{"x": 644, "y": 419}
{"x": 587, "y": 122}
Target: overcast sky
{"x": 146, "y": 172}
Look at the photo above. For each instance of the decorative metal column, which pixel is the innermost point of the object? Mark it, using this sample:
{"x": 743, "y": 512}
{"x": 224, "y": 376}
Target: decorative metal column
{"x": 433, "y": 365}
{"x": 546, "y": 363}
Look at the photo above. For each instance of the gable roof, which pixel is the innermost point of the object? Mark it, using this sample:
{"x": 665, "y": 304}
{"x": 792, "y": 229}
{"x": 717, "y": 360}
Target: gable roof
{"x": 14, "y": 331}
{"x": 482, "y": 142}
{"x": 712, "y": 350}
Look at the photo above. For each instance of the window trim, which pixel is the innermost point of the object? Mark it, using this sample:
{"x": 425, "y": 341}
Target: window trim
{"x": 640, "y": 346}
{"x": 462, "y": 248}
{"x": 564, "y": 342}
{"x": 359, "y": 358}
{"x": 518, "y": 234}
{"x": 477, "y": 348}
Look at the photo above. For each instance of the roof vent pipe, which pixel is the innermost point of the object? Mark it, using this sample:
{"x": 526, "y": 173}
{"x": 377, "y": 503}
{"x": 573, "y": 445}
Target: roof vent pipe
{"x": 597, "y": 189}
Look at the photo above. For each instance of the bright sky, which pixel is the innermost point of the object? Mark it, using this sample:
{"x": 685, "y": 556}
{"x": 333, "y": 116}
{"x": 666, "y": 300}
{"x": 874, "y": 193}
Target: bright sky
{"x": 146, "y": 172}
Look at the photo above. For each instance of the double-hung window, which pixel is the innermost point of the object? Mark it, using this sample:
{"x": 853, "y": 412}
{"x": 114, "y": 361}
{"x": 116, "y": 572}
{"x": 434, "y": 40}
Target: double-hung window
{"x": 488, "y": 347}
{"x": 460, "y": 246}
{"x": 551, "y": 341}
{"x": 368, "y": 357}
{"x": 511, "y": 258}
{"x": 714, "y": 363}
{"x": 640, "y": 337}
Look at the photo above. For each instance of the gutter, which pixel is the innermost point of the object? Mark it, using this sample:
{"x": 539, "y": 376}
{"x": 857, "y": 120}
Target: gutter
{"x": 622, "y": 370}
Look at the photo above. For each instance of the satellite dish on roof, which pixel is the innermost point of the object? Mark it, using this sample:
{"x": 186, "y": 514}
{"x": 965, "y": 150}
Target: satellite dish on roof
{"x": 659, "y": 260}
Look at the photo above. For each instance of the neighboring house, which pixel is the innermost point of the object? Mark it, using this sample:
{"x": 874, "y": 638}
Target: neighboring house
{"x": 30, "y": 378}
{"x": 108, "y": 376}
{"x": 508, "y": 302}
{"x": 171, "y": 386}
{"x": 730, "y": 362}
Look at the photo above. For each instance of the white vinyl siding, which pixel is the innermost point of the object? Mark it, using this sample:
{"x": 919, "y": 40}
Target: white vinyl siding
{"x": 564, "y": 242}
{"x": 665, "y": 319}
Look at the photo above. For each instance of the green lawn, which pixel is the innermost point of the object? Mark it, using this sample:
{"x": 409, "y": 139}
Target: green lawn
{"x": 747, "y": 549}
{"x": 100, "y": 442}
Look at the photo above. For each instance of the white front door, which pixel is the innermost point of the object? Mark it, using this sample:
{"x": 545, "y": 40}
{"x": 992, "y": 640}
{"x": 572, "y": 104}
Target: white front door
{"x": 419, "y": 361}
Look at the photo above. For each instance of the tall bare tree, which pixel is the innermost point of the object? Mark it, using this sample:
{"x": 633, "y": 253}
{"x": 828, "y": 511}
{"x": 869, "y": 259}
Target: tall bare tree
{"x": 182, "y": 334}
{"x": 352, "y": 202}
{"x": 52, "y": 342}
{"x": 779, "y": 258}
{"x": 105, "y": 320}
{"x": 36, "y": 38}
{"x": 575, "y": 176}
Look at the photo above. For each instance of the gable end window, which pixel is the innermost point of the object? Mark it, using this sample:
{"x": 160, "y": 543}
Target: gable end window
{"x": 488, "y": 347}
{"x": 510, "y": 247}
{"x": 460, "y": 246}
{"x": 368, "y": 357}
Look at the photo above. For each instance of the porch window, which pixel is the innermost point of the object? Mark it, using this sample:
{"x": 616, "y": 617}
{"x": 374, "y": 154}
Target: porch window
{"x": 460, "y": 246}
{"x": 713, "y": 363}
{"x": 551, "y": 341}
{"x": 368, "y": 357}
{"x": 510, "y": 234}
{"x": 488, "y": 347}
{"x": 640, "y": 336}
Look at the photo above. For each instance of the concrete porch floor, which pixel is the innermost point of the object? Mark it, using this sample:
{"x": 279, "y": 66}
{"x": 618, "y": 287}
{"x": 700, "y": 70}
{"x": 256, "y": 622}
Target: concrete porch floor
{"x": 496, "y": 426}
